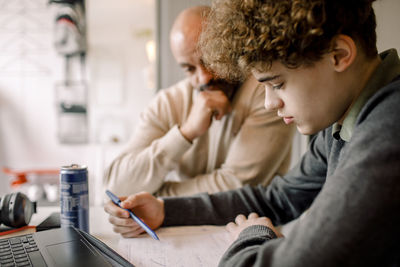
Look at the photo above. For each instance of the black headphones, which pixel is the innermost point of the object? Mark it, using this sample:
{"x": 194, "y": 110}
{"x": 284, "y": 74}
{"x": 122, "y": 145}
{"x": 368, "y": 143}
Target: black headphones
{"x": 16, "y": 209}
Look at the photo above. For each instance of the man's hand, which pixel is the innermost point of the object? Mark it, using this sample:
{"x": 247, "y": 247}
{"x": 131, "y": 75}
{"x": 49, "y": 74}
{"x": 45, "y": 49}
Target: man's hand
{"x": 208, "y": 103}
{"x": 241, "y": 222}
{"x": 144, "y": 205}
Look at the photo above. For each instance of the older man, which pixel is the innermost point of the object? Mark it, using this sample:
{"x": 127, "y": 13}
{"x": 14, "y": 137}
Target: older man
{"x": 202, "y": 134}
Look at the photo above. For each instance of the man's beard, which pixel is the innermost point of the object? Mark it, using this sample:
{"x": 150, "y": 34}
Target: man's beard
{"x": 229, "y": 89}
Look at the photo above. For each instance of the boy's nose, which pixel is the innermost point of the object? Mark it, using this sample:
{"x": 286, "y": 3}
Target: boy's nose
{"x": 272, "y": 101}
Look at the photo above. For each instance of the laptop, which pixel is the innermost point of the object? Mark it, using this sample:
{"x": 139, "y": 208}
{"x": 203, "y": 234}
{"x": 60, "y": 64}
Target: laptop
{"x": 58, "y": 247}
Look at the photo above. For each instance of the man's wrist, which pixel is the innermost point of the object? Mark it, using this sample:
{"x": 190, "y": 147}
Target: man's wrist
{"x": 187, "y": 134}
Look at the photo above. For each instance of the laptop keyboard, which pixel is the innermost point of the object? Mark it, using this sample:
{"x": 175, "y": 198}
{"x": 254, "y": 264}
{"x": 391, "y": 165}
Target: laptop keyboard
{"x": 18, "y": 251}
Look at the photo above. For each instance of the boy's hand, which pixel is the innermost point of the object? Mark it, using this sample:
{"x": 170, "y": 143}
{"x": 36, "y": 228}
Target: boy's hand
{"x": 241, "y": 222}
{"x": 144, "y": 205}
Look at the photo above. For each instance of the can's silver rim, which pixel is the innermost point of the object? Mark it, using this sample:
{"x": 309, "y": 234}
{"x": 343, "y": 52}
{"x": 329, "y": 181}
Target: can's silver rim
{"x": 74, "y": 167}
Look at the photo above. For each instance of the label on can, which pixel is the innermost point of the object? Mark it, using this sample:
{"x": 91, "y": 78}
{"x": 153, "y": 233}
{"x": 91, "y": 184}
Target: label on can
{"x": 74, "y": 197}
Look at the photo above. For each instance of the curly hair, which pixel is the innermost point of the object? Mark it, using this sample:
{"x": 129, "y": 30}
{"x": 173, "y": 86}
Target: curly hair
{"x": 244, "y": 34}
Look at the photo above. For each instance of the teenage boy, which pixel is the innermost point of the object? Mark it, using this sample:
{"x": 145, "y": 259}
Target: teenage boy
{"x": 321, "y": 71}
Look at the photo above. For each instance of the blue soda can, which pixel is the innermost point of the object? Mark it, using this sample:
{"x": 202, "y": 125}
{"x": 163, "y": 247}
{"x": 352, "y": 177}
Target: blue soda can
{"x": 74, "y": 197}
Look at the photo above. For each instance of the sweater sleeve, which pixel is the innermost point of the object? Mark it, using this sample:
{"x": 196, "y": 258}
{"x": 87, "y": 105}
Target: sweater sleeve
{"x": 283, "y": 200}
{"x": 260, "y": 150}
{"x": 155, "y": 149}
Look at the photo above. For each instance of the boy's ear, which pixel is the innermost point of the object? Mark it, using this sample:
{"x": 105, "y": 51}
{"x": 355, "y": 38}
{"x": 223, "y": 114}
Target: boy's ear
{"x": 344, "y": 52}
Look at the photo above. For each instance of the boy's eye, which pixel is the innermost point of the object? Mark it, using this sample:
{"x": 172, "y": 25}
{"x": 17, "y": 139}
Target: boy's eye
{"x": 278, "y": 86}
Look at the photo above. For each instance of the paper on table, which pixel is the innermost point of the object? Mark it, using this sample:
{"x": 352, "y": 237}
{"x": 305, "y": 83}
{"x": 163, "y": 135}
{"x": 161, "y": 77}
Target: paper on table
{"x": 178, "y": 246}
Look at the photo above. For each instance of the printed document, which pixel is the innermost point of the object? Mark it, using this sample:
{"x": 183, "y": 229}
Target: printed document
{"x": 178, "y": 246}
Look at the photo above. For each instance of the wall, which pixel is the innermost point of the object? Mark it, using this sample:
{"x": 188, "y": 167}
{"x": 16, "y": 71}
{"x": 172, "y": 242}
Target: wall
{"x": 117, "y": 73}
{"x": 387, "y": 15}
{"x": 120, "y": 72}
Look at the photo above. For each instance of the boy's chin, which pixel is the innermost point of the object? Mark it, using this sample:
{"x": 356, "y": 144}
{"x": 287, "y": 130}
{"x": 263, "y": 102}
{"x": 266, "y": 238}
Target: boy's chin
{"x": 307, "y": 129}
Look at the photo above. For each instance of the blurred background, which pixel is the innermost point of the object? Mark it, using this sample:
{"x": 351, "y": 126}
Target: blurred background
{"x": 71, "y": 91}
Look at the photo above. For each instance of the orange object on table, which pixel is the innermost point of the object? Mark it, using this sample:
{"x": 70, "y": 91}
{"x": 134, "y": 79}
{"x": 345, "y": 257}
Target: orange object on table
{"x": 20, "y": 176}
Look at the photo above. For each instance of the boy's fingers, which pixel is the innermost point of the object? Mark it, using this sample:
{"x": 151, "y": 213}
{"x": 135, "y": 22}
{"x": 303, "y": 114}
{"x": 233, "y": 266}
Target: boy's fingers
{"x": 230, "y": 226}
{"x": 130, "y": 202}
{"x": 240, "y": 218}
{"x": 121, "y": 221}
{"x": 123, "y": 198}
{"x": 114, "y": 210}
{"x": 126, "y": 230}
{"x": 135, "y": 200}
{"x": 253, "y": 215}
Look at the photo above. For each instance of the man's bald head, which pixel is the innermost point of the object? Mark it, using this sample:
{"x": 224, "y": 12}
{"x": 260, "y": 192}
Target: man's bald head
{"x": 186, "y": 29}
{"x": 184, "y": 40}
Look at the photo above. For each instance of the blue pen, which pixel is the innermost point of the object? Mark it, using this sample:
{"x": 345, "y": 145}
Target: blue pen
{"x": 117, "y": 201}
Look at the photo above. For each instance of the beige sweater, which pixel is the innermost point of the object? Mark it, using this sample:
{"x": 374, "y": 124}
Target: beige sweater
{"x": 248, "y": 146}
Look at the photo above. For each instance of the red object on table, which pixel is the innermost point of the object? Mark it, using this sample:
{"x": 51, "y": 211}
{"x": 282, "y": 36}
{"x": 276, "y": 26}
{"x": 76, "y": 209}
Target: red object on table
{"x": 20, "y": 176}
